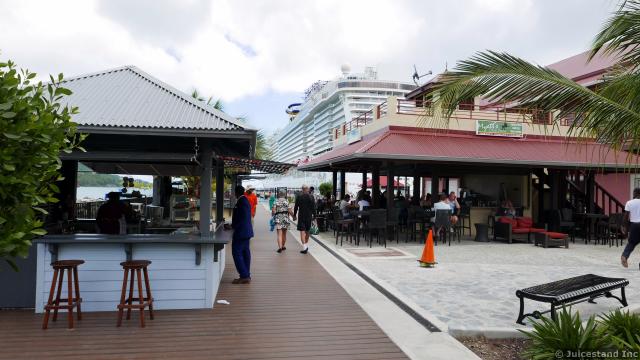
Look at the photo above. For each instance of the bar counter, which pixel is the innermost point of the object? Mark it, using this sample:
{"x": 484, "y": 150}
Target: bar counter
{"x": 185, "y": 271}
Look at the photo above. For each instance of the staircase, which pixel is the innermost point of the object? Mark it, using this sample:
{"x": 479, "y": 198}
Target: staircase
{"x": 578, "y": 195}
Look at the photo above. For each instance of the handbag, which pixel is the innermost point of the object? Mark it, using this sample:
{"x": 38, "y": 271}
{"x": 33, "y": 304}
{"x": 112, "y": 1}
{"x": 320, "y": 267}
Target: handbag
{"x": 314, "y": 228}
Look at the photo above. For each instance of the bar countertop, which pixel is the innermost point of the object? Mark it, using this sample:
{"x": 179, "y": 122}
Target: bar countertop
{"x": 220, "y": 236}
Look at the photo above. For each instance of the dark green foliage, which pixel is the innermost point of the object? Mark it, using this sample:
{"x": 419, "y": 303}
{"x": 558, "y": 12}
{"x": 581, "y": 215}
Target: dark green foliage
{"x": 93, "y": 179}
{"x": 550, "y": 338}
{"x": 325, "y": 189}
{"x": 34, "y": 129}
{"x": 623, "y": 328}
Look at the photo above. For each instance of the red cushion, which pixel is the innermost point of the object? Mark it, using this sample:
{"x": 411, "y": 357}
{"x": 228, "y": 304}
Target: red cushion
{"x": 524, "y": 222}
{"x": 508, "y": 220}
{"x": 536, "y": 230}
{"x": 555, "y": 235}
{"x": 519, "y": 231}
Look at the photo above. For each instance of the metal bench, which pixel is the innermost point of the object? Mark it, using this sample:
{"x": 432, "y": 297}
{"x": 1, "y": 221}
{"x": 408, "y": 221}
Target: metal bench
{"x": 571, "y": 291}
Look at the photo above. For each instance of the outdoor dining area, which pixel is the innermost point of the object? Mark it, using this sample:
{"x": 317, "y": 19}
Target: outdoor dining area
{"x": 539, "y": 190}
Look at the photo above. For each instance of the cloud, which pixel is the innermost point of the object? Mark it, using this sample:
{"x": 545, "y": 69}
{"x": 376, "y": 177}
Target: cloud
{"x": 233, "y": 49}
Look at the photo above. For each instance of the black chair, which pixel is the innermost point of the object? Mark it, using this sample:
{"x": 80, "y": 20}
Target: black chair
{"x": 442, "y": 226}
{"x": 567, "y": 224}
{"x": 393, "y": 222}
{"x": 342, "y": 227}
{"x": 377, "y": 223}
{"x": 614, "y": 229}
{"x": 464, "y": 219}
{"x": 414, "y": 217}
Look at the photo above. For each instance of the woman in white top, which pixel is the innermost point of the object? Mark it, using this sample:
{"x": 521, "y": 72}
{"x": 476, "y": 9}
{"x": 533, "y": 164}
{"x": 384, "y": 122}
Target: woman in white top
{"x": 282, "y": 212}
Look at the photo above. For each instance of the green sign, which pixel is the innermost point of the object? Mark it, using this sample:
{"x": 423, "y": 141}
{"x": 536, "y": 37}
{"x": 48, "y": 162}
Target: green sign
{"x": 498, "y": 128}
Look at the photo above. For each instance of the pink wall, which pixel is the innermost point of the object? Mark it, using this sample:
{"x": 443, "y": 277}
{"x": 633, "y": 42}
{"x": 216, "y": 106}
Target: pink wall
{"x": 619, "y": 185}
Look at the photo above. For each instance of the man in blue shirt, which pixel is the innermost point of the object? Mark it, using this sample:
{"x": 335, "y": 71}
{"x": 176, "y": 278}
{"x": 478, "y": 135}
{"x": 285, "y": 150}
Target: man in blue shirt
{"x": 242, "y": 233}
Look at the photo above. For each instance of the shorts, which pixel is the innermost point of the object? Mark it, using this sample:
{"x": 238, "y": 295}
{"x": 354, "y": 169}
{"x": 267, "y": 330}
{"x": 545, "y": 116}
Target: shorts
{"x": 304, "y": 224}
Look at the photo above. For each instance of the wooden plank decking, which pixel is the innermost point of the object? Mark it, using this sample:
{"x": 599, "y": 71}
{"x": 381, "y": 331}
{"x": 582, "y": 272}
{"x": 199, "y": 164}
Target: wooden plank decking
{"x": 292, "y": 309}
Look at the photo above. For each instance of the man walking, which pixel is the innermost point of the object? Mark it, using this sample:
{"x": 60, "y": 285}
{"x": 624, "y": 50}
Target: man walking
{"x": 242, "y": 233}
{"x": 305, "y": 205}
{"x": 632, "y": 218}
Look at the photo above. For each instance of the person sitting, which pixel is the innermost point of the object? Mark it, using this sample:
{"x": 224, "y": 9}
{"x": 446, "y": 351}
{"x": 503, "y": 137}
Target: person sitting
{"x": 455, "y": 207}
{"x": 426, "y": 201}
{"x": 506, "y": 208}
{"x": 345, "y": 207}
{"x": 110, "y": 214}
{"x": 364, "y": 202}
{"x": 443, "y": 204}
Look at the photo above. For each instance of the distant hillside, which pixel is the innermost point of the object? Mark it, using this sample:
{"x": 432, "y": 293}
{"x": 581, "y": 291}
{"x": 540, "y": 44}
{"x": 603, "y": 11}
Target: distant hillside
{"x": 86, "y": 177}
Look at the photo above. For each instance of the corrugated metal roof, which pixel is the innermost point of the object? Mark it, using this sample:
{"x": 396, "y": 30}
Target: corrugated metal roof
{"x": 129, "y": 97}
{"x": 468, "y": 148}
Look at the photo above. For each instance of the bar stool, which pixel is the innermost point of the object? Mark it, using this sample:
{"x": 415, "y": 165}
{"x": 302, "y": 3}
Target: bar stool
{"x": 137, "y": 267}
{"x": 72, "y": 275}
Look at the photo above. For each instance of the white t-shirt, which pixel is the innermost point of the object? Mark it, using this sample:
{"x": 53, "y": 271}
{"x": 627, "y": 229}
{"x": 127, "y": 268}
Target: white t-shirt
{"x": 344, "y": 207}
{"x": 362, "y": 204}
{"x": 440, "y": 205}
{"x": 633, "y": 207}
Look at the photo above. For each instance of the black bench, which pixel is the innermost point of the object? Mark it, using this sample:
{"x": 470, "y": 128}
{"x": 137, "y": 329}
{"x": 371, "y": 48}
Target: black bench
{"x": 570, "y": 291}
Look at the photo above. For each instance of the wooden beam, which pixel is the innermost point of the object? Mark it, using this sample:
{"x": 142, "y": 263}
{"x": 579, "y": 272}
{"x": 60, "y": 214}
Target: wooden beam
{"x": 220, "y": 192}
{"x": 205, "y": 190}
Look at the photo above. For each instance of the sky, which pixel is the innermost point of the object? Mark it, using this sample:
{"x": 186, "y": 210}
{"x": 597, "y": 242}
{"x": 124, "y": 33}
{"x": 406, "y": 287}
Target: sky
{"x": 259, "y": 56}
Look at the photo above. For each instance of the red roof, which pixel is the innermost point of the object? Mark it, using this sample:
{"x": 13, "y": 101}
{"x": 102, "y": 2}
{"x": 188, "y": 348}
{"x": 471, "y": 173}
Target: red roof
{"x": 383, "y": 182}
{"x": 579, "y": 69}
{"x": 457, "y": 147}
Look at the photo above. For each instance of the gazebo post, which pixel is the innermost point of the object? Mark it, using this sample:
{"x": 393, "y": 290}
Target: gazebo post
{"x": 416, "y": 186}
{"x": 555, "y": 188}
{"x": 390, "y": 187}
{"x": 219, "y": 192}
{"x": 205, "y": 190}
{"x": 334, "y": 190}
{"x": 590, "y": 192}
{"x": 541, "y": 181}
{"x": 375, "y": 185}
{"x": 364, "y": 181}
{"x": 343, "y": 184}
{"x": 435, "y": 184}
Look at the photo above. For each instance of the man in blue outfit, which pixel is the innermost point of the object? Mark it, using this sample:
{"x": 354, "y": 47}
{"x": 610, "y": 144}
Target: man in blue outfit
{"x": 242, "y": 233}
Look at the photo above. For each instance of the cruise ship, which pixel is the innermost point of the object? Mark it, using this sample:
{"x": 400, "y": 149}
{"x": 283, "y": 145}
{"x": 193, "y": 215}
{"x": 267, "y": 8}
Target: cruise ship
{"x": 327, "y": 105}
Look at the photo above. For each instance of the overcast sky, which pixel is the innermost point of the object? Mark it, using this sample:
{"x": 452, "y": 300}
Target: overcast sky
{"x": 258, "y": 56}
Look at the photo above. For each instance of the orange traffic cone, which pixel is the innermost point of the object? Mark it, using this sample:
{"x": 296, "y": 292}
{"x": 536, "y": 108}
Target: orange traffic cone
{"x": 428, "y": 258}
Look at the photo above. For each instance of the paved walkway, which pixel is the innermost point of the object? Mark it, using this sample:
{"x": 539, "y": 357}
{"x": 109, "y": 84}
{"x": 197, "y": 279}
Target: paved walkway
{"x": 292, "y": 309}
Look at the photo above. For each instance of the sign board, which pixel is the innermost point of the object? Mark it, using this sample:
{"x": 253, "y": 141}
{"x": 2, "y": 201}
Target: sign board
{"x": 354, "y": 135}
{"x": 498, "y": 128}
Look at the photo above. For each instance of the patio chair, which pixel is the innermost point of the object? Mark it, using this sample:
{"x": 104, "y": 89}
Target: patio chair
{"x": 567, "y": 224}
{"x": 614, "y": 229}
{"x": 442, "y": 226}
{"x": 342, "y": 227}
{"x": 393, "y": 222}
{"x": 377, "y": 223}
{"x": 416, "y": 217}
{"x": 464, "y": 219}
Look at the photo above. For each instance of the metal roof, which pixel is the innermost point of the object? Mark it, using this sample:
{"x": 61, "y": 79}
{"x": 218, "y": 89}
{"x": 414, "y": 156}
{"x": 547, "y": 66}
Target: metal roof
{"x": 246, "y": 165}
{"x": 127, "y": 97}
{"x": 397, "y": 144}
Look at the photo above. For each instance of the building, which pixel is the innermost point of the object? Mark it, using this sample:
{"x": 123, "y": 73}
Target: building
{"x": 494, "y": 152}
{"x": 328, "y": 104}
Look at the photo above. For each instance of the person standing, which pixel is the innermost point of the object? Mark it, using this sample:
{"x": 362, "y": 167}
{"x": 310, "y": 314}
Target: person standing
{"x": 253, "y": 200}
{"x": 281, "y": 213}
{"x": 272, "y": 199}
{"x": 242, "y": 233}
{"x": 305, "y": 206}
{"x": 632, "y": 218}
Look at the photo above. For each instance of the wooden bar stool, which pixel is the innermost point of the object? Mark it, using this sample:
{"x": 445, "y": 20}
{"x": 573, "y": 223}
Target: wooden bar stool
{"x": 136, "y": 267}
{"x": 72, "y": 275}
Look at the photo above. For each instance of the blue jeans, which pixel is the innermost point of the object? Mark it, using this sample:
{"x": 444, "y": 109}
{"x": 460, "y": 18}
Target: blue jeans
{"x": 241, "y": 257}
{"x": 634, "y": 239}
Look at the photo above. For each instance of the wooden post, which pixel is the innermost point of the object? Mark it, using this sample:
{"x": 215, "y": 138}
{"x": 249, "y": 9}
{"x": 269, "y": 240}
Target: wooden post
{"x": 554, "y": 181}
{"x": 205, "y": 190}
{"x": 390, "y": 187}
{"x": 220, "y": 192}
{"x": 541, "y": 181}
{"x": 435, "y": 184}
{"x": 416, "y": 186}
{"x": 375, "y": 186}
{"x": 364, "y": 180}
{"x": 68, "y": 189}
{"x": 590, "y": 192}
{"x": 335, "y": 186}
{"x": 343, "y": 184}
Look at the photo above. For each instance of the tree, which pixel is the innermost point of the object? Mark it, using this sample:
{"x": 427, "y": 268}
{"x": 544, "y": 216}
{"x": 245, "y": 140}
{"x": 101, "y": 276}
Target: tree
{"x": 34, "y": 128}
{"x": 326, "y": 188}
{"x": 611, "y": 112}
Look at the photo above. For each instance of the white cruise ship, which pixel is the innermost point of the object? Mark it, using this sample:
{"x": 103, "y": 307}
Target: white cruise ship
{"x": 327, "y": 105}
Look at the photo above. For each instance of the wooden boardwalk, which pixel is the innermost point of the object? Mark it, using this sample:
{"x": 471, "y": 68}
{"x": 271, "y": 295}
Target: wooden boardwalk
{"x": 293, "y": 309}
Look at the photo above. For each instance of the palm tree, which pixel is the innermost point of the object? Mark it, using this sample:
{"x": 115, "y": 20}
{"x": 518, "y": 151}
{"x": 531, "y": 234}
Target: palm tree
{"x": 263, "y": 151}
{"x": 611, "y": 112}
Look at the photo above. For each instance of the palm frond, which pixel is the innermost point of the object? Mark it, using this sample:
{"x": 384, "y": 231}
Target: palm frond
{"x": 620, "y": 34}
{"x": 506, "y": 78}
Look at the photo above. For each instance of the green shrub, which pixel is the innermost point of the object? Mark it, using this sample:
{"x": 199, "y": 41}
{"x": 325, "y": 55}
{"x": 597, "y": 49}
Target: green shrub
{"x": 550, "y": 338}
{"x": 325, "y": 189}
{"x": 622, "y": 328}
{"x": 34, "y": 129}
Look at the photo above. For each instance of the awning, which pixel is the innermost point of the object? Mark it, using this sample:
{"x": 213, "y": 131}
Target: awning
{"x": 455, "y": 147}
{"x": 245, "y": 165}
